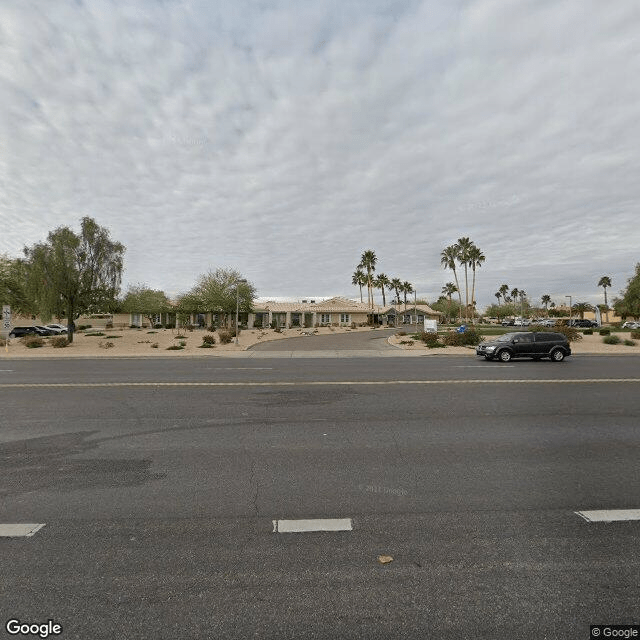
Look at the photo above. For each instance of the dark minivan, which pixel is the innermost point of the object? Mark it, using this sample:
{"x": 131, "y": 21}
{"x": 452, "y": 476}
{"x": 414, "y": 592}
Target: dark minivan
{"x": 526, "y": 344}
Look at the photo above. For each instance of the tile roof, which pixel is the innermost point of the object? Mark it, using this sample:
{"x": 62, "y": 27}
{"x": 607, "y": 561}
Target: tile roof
{"x": 337, "y": 304}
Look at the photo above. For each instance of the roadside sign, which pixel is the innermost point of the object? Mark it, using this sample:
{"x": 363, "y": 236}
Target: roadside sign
{"x": 430, "y": 326}
{"x": 6, "y": 318}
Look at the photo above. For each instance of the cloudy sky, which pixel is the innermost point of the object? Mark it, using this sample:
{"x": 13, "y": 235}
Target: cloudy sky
{"x": 284, "y": 138}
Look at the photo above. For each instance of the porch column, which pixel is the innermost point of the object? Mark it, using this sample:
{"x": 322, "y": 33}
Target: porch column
{"x": 287, "y": 319}
{"x": 313, "y": 319}
{"x": 270, "y": 316}
{"x": 250, "y": 320}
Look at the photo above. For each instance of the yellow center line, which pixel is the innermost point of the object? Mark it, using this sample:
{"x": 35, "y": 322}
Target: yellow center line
{"x": 311, "y": 383}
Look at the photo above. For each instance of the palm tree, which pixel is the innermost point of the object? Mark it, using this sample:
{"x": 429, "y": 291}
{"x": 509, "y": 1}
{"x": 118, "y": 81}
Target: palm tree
{"x": 498, "y": 295}
{"x": 396, "y": 284}
{"x": 476, "y": 258}
{"x": 382, "y": 282}
{"x": 465, "y": 246}
{"x": 368, "y": 263}
{"x": 546, "y": 299}
{"x": 504, "y": 289}
{"x": 514, "y": 294}
{"x": 581, "y": 307}
{"x": 406, "y": 288}
{"x": 448, "y": 258}
{"x": 605, "y": 282}
{"x": 359, "y": 278}
{"x": 448, "y": 290}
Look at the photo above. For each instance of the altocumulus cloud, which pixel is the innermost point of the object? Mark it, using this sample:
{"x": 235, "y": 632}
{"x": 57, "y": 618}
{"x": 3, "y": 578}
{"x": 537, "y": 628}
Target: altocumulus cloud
{"x": 284, "y": 138}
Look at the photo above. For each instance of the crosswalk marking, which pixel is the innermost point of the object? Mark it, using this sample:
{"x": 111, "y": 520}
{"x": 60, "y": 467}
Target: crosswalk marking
{"x": 19, "y": 530}
{"x": 318, "y": 524}
{"x": 610, "y": 515}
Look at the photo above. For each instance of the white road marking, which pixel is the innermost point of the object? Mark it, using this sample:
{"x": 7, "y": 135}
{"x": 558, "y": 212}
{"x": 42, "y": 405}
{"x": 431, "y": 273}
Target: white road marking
{"x": 315, "y": 383}
{"x": 610, "y": 515}
{"x": 6, "y": 370}
{"x": 482, "y": 366}
{"x": 19, "y": 530}
{"x": 319, "y": 524}
{"x": 239, "y": 368}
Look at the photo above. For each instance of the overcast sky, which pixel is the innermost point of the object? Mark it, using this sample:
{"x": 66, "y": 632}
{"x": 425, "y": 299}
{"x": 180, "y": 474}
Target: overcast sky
{"x": 284, "y": 138}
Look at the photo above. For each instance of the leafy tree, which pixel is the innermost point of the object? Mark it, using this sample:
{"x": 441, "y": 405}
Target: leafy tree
{"x": 502, "y": 310}
{"x": 605, "y": 282}
{"x": 359, "y": 279}
{"x": 629, "y": 304}
{"x": 148, "y": 302}
{"x": 448, "y": 307}
{"x": 215, "y": 292}
{"x": 12, "y": 289}
{"x": 448, "y": 290}
{"x": 448, "y": 258}
{"x": 72, "y": 274}
{"x": 368, "y": 263}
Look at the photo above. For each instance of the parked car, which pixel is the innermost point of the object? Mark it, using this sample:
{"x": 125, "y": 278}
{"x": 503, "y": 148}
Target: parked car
{"x": 522, "y": 322}
{"x": 526, "y": 344}
{"x": 631, "y": 325}
{"x": 585, "y": 324}
{"x": 44, "y": 331}
{"x": 57, "y": 328}
{"x": 18, "y": 332}
{"x": 548, "y": 322}
{"x": 508, "y": 322}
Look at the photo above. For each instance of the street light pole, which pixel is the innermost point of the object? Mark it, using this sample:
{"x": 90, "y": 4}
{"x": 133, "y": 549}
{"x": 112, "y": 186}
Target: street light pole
{"x": 238, "y": 283}
{"x": 570, "y": 305}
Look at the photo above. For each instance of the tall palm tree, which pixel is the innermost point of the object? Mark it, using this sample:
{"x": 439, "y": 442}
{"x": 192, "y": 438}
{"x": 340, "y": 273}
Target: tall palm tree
{"x": 368, "y": 263}
{"x": 382, "y": 282}
{"x": 498, "y": 295}
{"x": 448, "y": 258}
{"x": 504, "y": 289}
{"x": 359, "y": 279}
{"x": 464, "y": 251}
{"x": 407, "y": 288}
{"x": 476, "y": 258}
{"x": 396, "y": 284}
{"x": 605, "y": 282}
{"x": 514, "y": 294}
{"x": 546, "y": 299}
{"x": 448, "y": 290}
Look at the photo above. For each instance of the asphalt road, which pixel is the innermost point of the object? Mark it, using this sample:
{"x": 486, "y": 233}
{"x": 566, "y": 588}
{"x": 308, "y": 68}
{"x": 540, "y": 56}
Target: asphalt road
{"x": 159, "y": 484}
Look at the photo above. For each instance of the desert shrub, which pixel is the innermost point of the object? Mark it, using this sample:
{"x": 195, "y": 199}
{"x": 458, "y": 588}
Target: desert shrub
{"x": 406, "y": 342}
{"x": 183, "y": 343}
{"x": 133, "y": 326}
{"x": 256, "y": 325}
{"x": 59, "y": 342}
{"x": 211, "y": 328}
{"x": 208, "y": 339}
{"x": 3, "y": 342}
{"x": 155, "y": 345}
{"x": 82, "y": 327}
{"x": 96, "y": 334}
{"x": 611, "y": 340}
{"x": 144, "y": 341}
{"x": 605, "y": 332}
{"x": 32, "y": 342}
{"x": 206, "y": 345}
{"x": 224, "y": 336}
{"x": 113, "y": 337}
{"x": 587, "y": 332}
{"x": 353, "y": 325}
{"x": 106, "y": 345}
{"x": 629, "y": 343}
{"x": 180, "y": 337}
{"x": 232, "y": 332}
{"x": 277, "y": 329}
{"x": 108, "y": 325}
{"x": 175, "y": 347}
{"x": 470, "y": 337}
{"x": 635, "y": 334}
{"x": 427, "y": 337}
{"x": 170, "y": 325}
{"x": 401, "y": 333}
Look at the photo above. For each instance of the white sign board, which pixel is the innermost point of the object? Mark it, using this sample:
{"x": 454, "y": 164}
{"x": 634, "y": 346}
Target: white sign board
{"x": 6, "y": 318}
{"x": 430, "y": 326}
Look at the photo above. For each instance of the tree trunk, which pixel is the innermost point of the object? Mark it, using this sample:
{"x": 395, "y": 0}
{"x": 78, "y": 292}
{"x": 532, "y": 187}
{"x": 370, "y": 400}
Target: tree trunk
{"x": 70, "y": 322}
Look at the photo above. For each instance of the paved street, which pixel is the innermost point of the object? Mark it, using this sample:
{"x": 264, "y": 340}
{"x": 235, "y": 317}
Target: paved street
{"x": 158, "y": 481}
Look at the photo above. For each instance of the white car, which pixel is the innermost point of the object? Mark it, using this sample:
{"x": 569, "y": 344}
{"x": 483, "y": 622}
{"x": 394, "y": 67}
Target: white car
{"x": 631, "y": 325}
{"x": 57, "y": 328}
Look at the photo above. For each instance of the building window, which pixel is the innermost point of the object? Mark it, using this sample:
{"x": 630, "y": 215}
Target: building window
{"x": 325, "y": 318}
{"x": 345, "y": 318}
